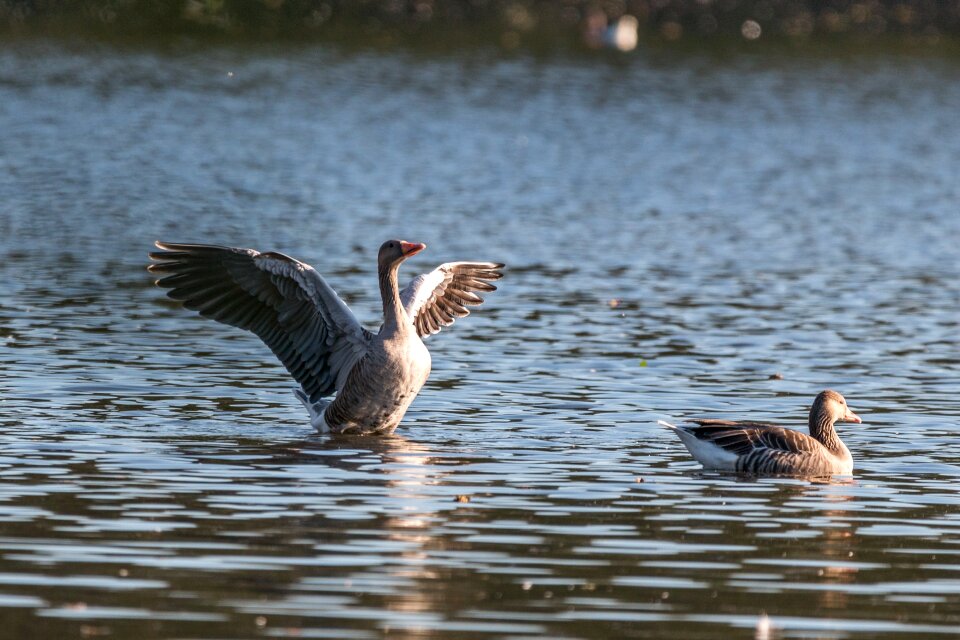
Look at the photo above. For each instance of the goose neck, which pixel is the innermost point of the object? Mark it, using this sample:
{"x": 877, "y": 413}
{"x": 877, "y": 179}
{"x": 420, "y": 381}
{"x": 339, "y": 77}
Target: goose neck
{"x": 393, "y": 313}
{"x": 822, "y": 430}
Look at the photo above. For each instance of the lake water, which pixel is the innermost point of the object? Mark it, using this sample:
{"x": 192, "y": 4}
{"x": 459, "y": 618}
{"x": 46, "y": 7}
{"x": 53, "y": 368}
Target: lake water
{"x": 752, "y": 214}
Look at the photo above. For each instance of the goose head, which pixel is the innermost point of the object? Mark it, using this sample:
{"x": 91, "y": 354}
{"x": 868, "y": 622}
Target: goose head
{"x": 829, "y": 406}
{"x": 393, "y": 252}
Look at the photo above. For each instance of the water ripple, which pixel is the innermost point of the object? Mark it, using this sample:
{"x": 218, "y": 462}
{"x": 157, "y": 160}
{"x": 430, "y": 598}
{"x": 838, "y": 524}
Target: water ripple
{"x": 685, "y": 237}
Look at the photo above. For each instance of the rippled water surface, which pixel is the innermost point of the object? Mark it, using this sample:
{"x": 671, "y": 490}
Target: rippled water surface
{"x": 678, "y": 229}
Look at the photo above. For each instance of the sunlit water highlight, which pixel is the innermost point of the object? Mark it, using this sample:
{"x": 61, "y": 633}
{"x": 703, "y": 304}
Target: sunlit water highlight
{"x": 750, "y": 216}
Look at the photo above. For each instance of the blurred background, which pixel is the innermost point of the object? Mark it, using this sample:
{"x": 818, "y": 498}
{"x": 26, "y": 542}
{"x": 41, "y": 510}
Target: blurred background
{"x": 510, "y": 24}
{"x": 706, "y": 208}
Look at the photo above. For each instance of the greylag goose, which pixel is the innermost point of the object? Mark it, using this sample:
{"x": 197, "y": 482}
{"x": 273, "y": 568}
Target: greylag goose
{"x": 757, "y": 448}
{"x": 315, "y": 335}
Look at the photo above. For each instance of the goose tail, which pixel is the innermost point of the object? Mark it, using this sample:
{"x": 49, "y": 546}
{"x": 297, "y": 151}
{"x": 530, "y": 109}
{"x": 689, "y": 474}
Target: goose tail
{"x": 315, "y": 409}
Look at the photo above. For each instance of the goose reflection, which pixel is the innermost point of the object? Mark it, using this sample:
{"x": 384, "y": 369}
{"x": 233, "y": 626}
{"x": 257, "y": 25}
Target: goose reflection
{"x": 828, "y": 560}
{"x": 402, "y": 535}
{"x": 838, "y": 548}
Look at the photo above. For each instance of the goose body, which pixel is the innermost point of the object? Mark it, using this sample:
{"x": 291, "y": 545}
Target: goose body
{"x": 372, "y": 377}
{"x": 765, "y": 449}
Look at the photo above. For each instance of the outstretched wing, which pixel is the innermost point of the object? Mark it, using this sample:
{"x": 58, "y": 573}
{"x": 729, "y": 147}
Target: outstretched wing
{"x": 435, "y": 300}
{"x": 283, "y": 301}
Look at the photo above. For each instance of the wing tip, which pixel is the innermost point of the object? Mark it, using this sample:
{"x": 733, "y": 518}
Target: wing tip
{"x": 166, "y": 250}
{"x": 175, "y": 246}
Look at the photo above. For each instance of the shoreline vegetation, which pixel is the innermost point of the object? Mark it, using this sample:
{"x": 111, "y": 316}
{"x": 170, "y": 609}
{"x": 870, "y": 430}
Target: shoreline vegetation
{"x": 537, "y": 25}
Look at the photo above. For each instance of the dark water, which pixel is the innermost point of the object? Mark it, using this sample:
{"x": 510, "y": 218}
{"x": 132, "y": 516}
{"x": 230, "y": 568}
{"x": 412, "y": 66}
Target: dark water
{"x": 752, "y": 216}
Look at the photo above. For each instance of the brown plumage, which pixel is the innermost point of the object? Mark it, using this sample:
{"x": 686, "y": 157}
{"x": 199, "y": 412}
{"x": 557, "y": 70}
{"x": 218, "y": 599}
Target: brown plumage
{"x": 315, "y": 335}
{"x": 438, "y": 298}
{"x": 766, "y": 449}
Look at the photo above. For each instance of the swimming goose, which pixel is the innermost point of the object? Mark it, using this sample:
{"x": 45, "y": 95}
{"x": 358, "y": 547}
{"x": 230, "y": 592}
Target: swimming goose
{"x": 315, "y": 335}
{"x": 757, "y": 448}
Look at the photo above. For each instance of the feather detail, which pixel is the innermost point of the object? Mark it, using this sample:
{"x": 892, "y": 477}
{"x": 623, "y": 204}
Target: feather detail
{"x": 760, "y": 449}
{"x": 282, "y": 300}
{"x": 435, "y": 300}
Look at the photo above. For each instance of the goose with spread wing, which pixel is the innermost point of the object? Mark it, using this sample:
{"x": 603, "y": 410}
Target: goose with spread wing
{"x": 765, "y": 449}
{"x": 373, "y": 377}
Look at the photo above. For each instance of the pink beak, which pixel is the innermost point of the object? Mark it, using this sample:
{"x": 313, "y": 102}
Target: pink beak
{"x": 412, "y": 248}
{"x": 852, "y": 417}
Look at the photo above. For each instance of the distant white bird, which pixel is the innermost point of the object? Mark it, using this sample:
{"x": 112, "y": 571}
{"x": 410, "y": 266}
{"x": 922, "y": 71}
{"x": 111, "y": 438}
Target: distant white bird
{"x": 315, "y": 335}
{"x": 766, "y": 449}
{"x": 620, "y": 34}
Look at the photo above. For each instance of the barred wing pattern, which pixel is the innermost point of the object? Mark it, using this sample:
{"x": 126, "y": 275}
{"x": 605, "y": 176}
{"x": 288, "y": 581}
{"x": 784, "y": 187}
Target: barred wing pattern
{"x": 763, "y": 448}
{"x": 282, "y": 300}
{"x": 435, "y": 300}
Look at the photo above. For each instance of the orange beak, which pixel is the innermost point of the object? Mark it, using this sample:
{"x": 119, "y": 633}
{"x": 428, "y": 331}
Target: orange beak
{"x": 852, "y": 417}
{"x": 411, "y": 248}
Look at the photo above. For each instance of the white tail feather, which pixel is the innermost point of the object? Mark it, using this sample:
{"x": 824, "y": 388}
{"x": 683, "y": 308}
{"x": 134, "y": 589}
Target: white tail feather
{"x": 315, "y": 410}
{"x": 706, "y": 453}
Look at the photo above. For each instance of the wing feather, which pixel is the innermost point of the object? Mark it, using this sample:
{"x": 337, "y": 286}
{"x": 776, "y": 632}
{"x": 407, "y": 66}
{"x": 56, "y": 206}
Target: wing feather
{"x": 435, "y": 300}
{"x": 283, "y": 301}
{"x": 743, "y": 437}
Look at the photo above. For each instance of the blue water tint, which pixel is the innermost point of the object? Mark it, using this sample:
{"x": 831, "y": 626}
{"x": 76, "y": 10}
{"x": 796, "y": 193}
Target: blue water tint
{"x": 677, "y": 229}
